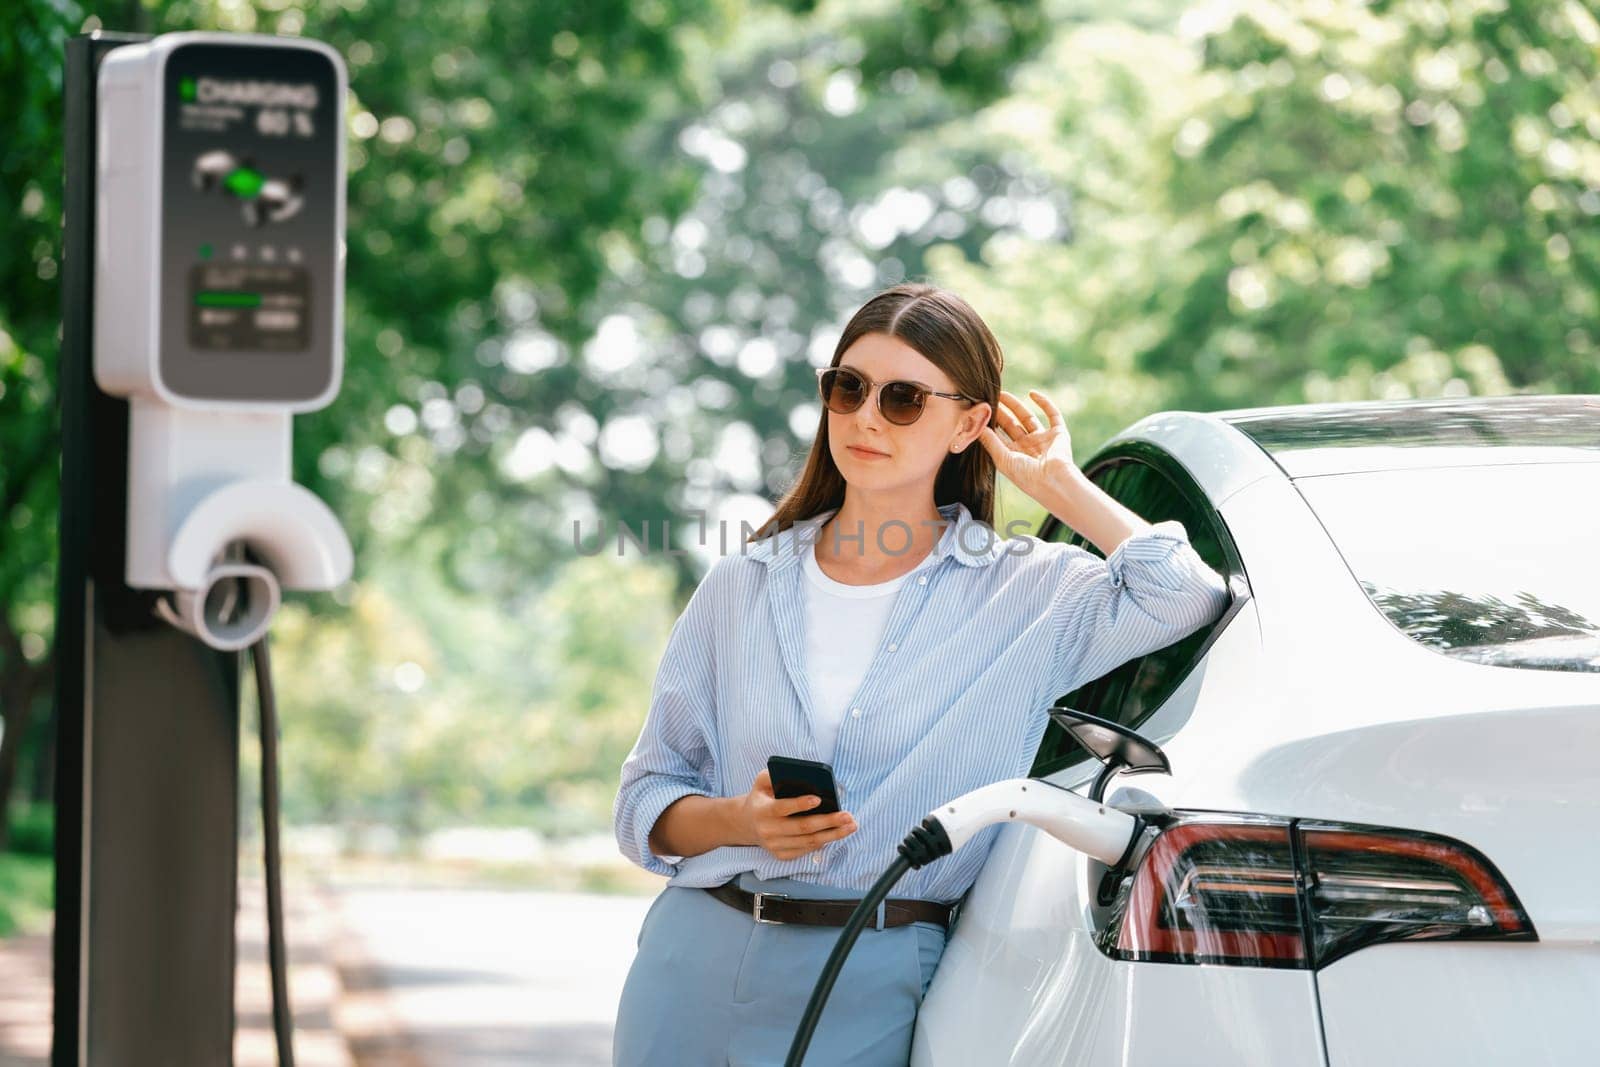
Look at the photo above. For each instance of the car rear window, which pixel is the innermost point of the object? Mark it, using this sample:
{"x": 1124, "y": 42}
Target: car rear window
{"x": 1493, "y": 564}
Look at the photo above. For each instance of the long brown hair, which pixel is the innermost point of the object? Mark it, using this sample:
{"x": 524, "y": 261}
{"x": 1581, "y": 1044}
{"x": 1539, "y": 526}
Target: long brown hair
{"x": 944, "y": 329}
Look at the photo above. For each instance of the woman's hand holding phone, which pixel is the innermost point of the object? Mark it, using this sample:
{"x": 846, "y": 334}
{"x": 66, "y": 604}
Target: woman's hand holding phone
{"x": 773, "y": 824}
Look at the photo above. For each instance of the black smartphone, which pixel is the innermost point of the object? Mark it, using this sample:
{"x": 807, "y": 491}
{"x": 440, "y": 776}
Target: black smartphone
{"x": 803, "y": 778}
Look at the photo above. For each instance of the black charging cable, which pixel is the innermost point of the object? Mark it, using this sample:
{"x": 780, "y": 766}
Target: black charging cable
{"x": 921, "y": 847}
{"x": 277, "y": 962}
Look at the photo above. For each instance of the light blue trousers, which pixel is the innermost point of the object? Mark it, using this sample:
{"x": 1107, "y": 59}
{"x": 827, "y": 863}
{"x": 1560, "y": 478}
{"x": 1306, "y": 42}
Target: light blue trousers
{"x": 711, "y": 987}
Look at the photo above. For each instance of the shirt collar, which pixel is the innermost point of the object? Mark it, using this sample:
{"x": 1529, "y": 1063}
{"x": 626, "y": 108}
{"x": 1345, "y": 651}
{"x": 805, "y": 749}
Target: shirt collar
{"x": 963, "y": 538}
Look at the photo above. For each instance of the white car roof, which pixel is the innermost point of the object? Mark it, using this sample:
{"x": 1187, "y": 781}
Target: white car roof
{"x": 1227, "y": 450}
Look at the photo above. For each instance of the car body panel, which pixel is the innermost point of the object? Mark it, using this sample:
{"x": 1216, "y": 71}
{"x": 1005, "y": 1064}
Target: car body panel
{"x": 1445, "y": 1004}
{"x": 1308, "y": 703}
{"x": 1221, "y": 460}
{"x": 1022, "y": 982}
{"x": 1342, "y": 438}
{"x": 1021, "y": 970}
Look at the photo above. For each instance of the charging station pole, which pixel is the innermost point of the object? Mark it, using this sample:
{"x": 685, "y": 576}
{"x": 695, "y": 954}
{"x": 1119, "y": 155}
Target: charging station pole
{"x": 147, "y": 813}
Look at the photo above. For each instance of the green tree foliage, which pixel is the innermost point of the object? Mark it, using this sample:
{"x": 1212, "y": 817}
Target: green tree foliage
{"x": 30, "y": 265}
{"x": 491, "y": 150}
{"x": 1389, "y": 201}
{"x": 740, "y": 265}
{"x": 595, "y": 249}
{"x": 1305, "y": 202}
{"x": 420, "y": 706}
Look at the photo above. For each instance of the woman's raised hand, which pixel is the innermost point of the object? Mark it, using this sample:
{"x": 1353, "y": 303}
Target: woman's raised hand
{"x": 1031, "y": 455}
{"x": 768, "y": 822}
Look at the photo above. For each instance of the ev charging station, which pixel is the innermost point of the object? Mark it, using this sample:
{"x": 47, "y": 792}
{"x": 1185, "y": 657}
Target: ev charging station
{"x": 202, "y": 308}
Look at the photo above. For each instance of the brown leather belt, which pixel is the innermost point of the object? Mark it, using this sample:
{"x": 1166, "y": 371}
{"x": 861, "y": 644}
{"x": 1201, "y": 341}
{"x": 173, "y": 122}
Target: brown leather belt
{"x": 779, "y": 908}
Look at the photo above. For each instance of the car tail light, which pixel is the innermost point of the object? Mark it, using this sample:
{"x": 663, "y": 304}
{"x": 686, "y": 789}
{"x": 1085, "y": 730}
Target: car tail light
{"x": 1264, "y": 892}
{"x": 1369, "y": 885}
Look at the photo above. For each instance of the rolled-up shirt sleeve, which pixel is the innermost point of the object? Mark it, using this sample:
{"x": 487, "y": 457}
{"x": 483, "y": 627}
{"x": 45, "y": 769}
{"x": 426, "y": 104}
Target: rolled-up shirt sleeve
{"x": 673, "y": 755}
{"x": 1152, "y": 591}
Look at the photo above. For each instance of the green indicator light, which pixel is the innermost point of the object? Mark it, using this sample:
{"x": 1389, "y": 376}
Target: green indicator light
{"x": 245, "y": 182}
{"x": 205, "y": 251}
{"x": 218, "y": 298}
{"x": 186, "y": 88}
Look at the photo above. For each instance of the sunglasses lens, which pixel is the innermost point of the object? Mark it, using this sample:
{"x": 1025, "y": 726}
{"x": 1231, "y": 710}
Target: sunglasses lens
{"x": 901, "y": 402}
{"x": 842, "y": 391}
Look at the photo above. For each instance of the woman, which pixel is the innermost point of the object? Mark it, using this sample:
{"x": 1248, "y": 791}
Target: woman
{"x": 878, "y": 624}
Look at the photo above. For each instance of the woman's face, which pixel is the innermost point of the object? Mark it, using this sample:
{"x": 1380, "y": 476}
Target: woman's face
{"x": 904, "y": 454}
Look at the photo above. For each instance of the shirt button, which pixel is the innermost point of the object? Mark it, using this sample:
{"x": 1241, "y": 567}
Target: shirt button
{"x": 922, "y": 580}
{"x": 856, "y": 712}
{"x": 893, "y": 647}
{"x": 816, "y": 860}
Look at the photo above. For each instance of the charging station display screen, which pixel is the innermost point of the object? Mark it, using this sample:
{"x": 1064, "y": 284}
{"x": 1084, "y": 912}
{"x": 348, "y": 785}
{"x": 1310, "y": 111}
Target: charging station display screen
{"x": 251, "y": 176}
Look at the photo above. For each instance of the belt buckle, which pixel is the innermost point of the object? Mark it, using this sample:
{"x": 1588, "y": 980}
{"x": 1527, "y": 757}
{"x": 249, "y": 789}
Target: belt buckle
{"x": 756, "y": 910}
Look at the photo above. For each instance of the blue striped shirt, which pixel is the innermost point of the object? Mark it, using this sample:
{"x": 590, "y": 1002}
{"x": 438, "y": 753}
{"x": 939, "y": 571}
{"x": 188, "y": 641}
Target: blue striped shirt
{"x": 978, "y": 645}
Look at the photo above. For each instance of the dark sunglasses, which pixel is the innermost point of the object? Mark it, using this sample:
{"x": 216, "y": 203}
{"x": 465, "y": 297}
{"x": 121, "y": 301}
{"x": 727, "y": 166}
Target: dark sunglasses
{"x": 843, "y": 391}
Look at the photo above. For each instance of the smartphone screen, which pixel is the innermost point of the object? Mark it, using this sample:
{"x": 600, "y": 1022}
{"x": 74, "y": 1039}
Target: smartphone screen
{"x": 793, "y": 777}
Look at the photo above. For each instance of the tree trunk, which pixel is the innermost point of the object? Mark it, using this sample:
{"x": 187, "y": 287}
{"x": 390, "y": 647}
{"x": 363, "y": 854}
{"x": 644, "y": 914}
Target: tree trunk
{"x": 20, "y": 686}
{"x": 42, "y": 790}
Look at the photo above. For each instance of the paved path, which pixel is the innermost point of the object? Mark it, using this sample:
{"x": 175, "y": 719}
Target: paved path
{"x": 314, "y": 994}
{"x": 481, "y": 978}
{"x": 402, "y": 977}
{"x": 25, "y": 1001}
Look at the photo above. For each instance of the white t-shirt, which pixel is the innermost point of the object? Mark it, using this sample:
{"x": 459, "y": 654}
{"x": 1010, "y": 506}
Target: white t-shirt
{"x": 844, "y": 626}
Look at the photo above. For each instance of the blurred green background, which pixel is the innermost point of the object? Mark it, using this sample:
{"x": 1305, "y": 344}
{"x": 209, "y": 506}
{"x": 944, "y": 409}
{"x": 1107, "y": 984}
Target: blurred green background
{"x": 595, "y": 249}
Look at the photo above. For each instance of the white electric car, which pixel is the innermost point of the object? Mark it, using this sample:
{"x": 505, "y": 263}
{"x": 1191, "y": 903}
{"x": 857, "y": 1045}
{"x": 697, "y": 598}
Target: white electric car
{"x": 1379, "y": 842}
